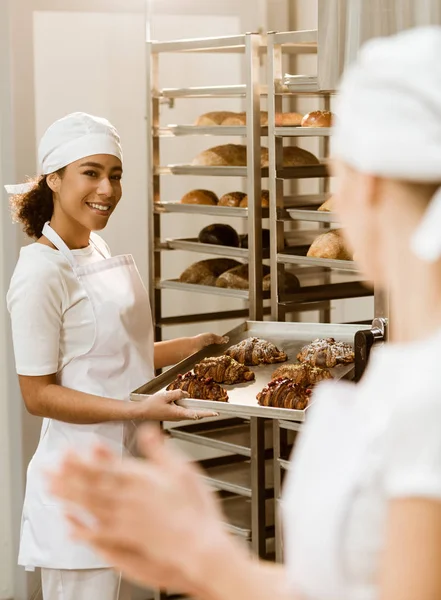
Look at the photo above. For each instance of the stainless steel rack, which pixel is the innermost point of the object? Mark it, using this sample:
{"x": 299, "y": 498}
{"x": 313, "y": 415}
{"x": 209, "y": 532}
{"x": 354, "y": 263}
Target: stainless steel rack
{"x": 298, "y": 208}
{"x": 251, "y": 45}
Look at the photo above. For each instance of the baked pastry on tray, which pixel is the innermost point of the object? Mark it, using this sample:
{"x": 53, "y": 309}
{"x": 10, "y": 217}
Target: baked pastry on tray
{"x": 224, "y": 369}
{"x": 255, "y": 351}
{"x": 284, "y": 393}
{"x": 199, "y": 388}
{"x": 326, "y": 353}
{"x": 303, "y": 374}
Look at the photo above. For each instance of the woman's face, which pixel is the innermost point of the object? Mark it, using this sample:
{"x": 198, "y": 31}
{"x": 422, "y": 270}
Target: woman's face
{"x": 355, "y": 204}
{"x": 88, "y": 191}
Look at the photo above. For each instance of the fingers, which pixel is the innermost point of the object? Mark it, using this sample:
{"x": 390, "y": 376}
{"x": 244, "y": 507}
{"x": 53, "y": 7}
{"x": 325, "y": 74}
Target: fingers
{"x": 179, "y": 413}
{"x": 175, "y": 395}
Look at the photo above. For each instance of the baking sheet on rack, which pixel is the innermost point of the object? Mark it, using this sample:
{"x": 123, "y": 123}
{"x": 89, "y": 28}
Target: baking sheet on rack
{"x": 290, "y": 337}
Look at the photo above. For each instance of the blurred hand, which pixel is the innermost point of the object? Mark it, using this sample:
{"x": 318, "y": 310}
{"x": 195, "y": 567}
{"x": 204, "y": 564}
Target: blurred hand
{"x": 206, "y": 339}
{"x": 154, "y": 520}
{"x": 161, "y": 407}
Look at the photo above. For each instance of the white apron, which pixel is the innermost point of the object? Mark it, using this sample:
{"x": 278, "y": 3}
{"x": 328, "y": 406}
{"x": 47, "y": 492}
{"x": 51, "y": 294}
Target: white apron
{"x": 120, "y": 360}
{"x": 320, "y": 486}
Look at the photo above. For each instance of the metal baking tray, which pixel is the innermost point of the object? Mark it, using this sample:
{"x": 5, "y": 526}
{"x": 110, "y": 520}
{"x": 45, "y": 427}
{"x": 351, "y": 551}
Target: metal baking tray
{"x": 307, "y": 172}
{"x": 309, "y": 261}
{"x": 311, "y": 214}
{"x": 238, "y": 130}
{"x": 175, "y": 284}
{"x": 192, "y": 245}
{"x": 237, "y": 511}
{"x": 235, "y": 477}
{"x": 303, "y": 131}
{"x": 202, "y": 209}
{"x": 290, "y": 337}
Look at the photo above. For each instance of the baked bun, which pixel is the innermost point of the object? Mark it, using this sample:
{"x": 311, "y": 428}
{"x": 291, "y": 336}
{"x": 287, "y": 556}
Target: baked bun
{"x": 235, "y": 119}
{"x": 237, "y": 278}
{"x": 206, "y": 272}
{"x": 290, "y": 119}
{"x": 317, "y": 118}
{"x": 293, "y": 156}
{"x": 330, "y": 245}
{"x": 264, "y": 200}
{"x": 226, "y": 155}
{"x": 200, "y": 197}
{"x": 327, "y": 206}
{"x": 211, "y": 119}
{"x": 219, "y": 234}
{"x": 232, "y": 199}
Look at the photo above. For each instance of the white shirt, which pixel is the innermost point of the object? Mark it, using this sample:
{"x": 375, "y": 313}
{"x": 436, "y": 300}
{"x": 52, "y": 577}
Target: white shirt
{"x": 362, "y": 446}
{"x": 52, "y": 319}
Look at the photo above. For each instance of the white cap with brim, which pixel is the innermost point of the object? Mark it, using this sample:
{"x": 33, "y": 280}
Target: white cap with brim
{"x": 69, "y": 139}
{"x": 389, "y": 119}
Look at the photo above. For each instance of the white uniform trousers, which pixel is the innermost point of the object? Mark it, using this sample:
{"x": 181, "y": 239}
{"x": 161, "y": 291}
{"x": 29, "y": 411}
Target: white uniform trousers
{"x": 85, "y": 584}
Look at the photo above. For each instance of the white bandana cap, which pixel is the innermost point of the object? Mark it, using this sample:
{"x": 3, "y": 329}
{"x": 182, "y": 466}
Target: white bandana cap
{"x": 389, "y": 119}
{"x": 73, "y": 137}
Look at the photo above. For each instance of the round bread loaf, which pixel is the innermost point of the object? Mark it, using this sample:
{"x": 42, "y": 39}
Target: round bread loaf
{"x": 235, "y": 119}
{"x": 206, "y": 272}
{"x": 330, "y": 245}
{"x": 233, "y": 199}
{"x": 327, "y": 206}
{"x": 290, "y": 119}
{"x": 317, "y": 118}
{"x": 219, "y": 234}
{"x": 226, "y": 155}
{"x": 213, "y": 118}
{"x": 293, "y": 156}
{"x": 264, "y": 200}
{"x": 200, "y": 197}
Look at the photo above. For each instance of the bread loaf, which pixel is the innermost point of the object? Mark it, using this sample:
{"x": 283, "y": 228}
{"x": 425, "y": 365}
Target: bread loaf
{"x": 235, "y": 155}
{"x": 206, "y": 272}
{"x": 200, "y": 197}
{"x": 264, "y": 200}
{"x": 317, "y": 118}
{"x": 235, "y": 120}
{"x": 265, "y": 239}
{"x": 330, "y": 245}
{"x": 237, "y": 278}
{"x": 227, "y": 155}
{"x": 327, "y": 206}
{"x": 293, "y": 156}
{"x": 211, "y": 119}
{"x": 233, "y": 199}
{"x": 220, "y": 234}
{"x": 291, "y": 119}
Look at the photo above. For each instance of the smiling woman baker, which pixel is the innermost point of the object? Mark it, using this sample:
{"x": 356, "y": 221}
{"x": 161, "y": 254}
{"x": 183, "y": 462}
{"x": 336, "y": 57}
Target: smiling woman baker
{"x": 83, "y": 338}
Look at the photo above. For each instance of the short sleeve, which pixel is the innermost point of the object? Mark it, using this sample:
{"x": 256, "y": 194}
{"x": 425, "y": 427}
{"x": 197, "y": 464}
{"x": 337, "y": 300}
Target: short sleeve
{"x": 413, "y": 447}
{"x": 35, "y": 304}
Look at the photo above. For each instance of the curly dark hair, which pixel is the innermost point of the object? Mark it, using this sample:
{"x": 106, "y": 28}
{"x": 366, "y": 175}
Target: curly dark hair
{"x": 34, "y": 208}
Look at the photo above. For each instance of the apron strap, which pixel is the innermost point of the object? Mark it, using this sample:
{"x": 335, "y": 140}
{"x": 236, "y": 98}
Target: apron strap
{"x": 59, "y": 244}
{"x": 98, "y": 244}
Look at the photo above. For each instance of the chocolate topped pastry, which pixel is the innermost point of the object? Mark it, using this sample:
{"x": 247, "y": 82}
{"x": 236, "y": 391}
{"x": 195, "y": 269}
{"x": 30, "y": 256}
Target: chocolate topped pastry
{"x": 255, "y": 351}
{"x": 224, "y": 369}
{"x": 284, "y": 393}
{"x": 326, "y": 353}
{"x": 199, "y": 388}
{"x": 303, "y": 374}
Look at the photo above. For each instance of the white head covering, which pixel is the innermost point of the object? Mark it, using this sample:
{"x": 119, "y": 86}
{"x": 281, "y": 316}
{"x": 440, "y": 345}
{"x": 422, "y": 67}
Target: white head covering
{"x": 73, "y": 137}
{"x": 389, "y": 119}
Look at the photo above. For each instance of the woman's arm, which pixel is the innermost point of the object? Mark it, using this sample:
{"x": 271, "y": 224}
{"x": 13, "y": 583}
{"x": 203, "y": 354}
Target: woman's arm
{"x": 411, "y": 564}
{"x": 173, "y": 351}
{"x": 44, "y": 398}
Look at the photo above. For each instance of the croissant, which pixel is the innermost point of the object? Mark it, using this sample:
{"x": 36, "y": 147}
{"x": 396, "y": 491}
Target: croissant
{"x": 255, "y": 351}
{"x": 199, "y": 388}
{"x": 326, "y": 353}
{"x": 224, "y": 369}
{"x": 284, "y": 393}
{"x": 302, "y": 374}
